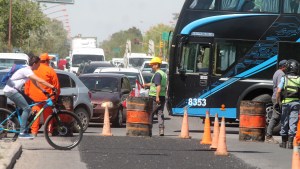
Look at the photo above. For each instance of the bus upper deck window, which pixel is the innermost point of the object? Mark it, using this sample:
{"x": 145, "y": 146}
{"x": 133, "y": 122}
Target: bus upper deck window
{"x": 202, "y": 4}
{"x": 291, "y": 6}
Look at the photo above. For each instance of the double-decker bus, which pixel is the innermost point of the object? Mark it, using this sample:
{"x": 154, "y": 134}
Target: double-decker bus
{"x": 225, "y": 51}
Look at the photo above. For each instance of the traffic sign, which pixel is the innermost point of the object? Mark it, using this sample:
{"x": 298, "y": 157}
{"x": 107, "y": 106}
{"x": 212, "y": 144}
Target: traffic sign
{"x": 57, "y": 1}
{"x": 165, "y": 36}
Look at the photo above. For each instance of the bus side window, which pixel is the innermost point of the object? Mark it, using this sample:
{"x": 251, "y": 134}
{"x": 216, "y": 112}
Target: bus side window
{"x": 202, "y": 4}
{"x": 229, "y": 5}
{"x": 291, "y": 6}
{"x": 226, "y": 56}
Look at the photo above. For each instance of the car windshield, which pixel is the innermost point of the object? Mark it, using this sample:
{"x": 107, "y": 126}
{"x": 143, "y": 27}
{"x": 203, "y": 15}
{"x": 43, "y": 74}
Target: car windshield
{"x": 109, "y": 84}
{"x": 131, "y": 76}
{"x": 1, "y": 76}
{"x": 78, "y": 59}
{"x": 147, "y": 78}
{"x": 137, "y": 62}
{"x": 8, "y": 63}
{"x": 90, "y": 68}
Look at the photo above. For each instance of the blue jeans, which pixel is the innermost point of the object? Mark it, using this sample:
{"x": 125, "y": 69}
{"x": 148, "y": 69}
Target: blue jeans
{"x": 289, "y": 118}
{"x": 20, "y": 102}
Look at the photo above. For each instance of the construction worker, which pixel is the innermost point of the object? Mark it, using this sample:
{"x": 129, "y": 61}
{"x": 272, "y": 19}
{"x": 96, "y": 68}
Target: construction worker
{"x": 288, "y": 92}
{"x": 276, "y": 112}
{"x": 158, "y": 91}
{"x": 49, "y": 75}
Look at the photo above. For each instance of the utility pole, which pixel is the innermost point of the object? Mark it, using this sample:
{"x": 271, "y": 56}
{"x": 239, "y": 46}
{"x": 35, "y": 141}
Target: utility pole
{"x": 9, "y": 26}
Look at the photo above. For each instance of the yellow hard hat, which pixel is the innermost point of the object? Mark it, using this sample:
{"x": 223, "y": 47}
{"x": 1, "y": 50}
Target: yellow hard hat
{"x": 155, "y": 60}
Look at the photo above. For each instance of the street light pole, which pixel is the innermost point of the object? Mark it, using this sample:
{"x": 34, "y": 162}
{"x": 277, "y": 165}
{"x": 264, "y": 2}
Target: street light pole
{"x": 9, "y": 26}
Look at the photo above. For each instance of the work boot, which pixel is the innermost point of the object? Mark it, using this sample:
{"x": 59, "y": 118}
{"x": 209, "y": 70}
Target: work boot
{"x": 290, "y": 142}
{"x": 161, "y": 131}
{"x": 270, "y": 139}
{"x": 284, "y": 141}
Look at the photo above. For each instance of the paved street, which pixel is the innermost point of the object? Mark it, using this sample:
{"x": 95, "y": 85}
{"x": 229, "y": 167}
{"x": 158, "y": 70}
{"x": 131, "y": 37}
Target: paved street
{"x": 120, "y": 151}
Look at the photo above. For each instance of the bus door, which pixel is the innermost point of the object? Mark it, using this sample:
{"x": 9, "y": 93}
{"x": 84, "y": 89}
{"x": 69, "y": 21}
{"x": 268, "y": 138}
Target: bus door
{"x": 192, "y": 77}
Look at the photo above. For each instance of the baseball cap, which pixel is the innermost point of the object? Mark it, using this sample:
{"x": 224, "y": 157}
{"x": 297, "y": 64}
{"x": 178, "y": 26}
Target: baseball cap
{"x": 45, "y": 56}
{"x": 282, "y": 62}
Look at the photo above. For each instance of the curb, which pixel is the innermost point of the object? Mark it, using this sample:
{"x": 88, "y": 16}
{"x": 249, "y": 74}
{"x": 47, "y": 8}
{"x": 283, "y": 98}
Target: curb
{"x": 9, "y": 153}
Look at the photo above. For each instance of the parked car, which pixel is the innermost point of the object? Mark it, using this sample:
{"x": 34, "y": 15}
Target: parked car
{"x": 147, "y": 68}
{"x": 133, "y": 74}
{"x": 89, "y": 67}
{"x": 70, "y": 84}
{"x": 108, "y": 87}
{"x": 147, "y": 76}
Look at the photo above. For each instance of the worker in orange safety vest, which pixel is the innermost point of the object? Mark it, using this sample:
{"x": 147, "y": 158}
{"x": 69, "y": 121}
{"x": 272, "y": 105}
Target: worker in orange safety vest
{"x": 48, "y": 74}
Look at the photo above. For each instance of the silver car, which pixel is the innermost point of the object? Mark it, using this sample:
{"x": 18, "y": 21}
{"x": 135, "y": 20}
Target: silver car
{"x": 70, "y": 84}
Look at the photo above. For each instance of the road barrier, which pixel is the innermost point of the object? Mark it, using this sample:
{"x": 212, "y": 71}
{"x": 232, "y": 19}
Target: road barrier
{"x": 185, "y": 126}
{"x": 214, "y": 144}
{"x": 206, "y": 139}
{"x": 139, "y": 116}
{"x": 252, "y": 121}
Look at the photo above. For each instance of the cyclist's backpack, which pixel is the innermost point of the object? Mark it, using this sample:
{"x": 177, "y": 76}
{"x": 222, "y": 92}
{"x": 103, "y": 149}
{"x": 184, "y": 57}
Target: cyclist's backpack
{"x": 14, "y": 68}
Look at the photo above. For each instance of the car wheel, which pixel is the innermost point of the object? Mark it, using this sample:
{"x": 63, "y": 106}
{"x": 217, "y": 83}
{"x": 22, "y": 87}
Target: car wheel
{"x": 83, "y": 116}
{"x": 118, "y": 122}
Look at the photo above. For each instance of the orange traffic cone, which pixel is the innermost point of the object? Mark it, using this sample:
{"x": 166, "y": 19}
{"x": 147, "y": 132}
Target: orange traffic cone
{"x": 297, "y": 137}
{"x": 206, "y": 139}
{"x": 106, "y": 126}
{"x": 214, "y": 144}
{"x": 296, "y": 158}
{"x": 222, "y": 147}
{"x": 185, "y": 126}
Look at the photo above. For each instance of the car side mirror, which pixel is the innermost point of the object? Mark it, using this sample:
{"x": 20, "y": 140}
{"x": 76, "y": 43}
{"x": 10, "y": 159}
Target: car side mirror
{"x": 125, "y": 91}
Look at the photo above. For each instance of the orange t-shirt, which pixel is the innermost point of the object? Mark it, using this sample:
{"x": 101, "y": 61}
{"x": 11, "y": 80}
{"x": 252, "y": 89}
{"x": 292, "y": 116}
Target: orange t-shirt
{"x": 49, "y": 75}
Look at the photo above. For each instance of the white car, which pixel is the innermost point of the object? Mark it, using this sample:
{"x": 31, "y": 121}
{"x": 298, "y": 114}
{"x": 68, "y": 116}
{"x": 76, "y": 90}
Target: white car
{"x": 147, "y": 68}
{"x": 133, "y": 74}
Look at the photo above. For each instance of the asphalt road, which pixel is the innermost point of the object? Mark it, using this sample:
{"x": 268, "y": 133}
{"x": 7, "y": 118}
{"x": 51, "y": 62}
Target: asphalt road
{"x": 156, "y": 152}
{"x": 169, "y": 151}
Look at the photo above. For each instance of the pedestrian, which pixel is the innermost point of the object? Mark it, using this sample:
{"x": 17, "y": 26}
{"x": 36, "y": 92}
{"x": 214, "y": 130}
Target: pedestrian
{"x": 47, "y": 73}
{"x": 13, "y": 91}
{"x": 275, "y": 118}
{"x": 288, "y": 95}
{"x": 158, "y": 91}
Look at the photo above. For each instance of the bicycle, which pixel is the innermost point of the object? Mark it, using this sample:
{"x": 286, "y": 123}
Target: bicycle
{"x": 63, "y": 129}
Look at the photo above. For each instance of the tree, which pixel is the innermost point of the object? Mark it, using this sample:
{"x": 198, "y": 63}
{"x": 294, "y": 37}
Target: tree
{"x": 115, "y": 46}
{"x": 31, "y": 29}
{"x": 155, "y": 34}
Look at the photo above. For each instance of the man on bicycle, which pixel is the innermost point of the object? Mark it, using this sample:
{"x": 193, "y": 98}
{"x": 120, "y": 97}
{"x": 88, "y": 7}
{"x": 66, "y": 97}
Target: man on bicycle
{"x": 47, "y": 73}
{"x": 13, "y": 87}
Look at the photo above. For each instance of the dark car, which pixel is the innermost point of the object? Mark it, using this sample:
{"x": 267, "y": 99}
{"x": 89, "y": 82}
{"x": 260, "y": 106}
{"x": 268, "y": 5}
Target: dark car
{"x": 91, "y": 66}
{"x": 147, "y": 76}
{"x": 108, "y": 87}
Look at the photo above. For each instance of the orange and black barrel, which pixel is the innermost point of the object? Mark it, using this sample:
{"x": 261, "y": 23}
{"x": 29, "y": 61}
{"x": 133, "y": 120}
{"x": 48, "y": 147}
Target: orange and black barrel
{"x": 139, "y": 116}
{"x": 252, "y": 121}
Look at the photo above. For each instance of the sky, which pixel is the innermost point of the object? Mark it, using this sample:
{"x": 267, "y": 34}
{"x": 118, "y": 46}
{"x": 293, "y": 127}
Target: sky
{"x": 102, "y": 18}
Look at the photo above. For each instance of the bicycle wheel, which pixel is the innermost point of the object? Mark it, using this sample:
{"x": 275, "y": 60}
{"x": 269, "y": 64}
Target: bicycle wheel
{"x": 59, "y": 130}
{"x": 9, "y": 125}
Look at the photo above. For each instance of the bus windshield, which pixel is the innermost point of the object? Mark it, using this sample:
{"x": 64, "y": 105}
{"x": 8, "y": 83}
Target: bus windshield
{"x": 78, "y": 59}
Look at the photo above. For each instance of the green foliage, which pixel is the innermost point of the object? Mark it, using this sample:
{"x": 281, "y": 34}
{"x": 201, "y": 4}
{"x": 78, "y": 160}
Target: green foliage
{"x": 31, "y": 29}
{"x": 115, "y": 46}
